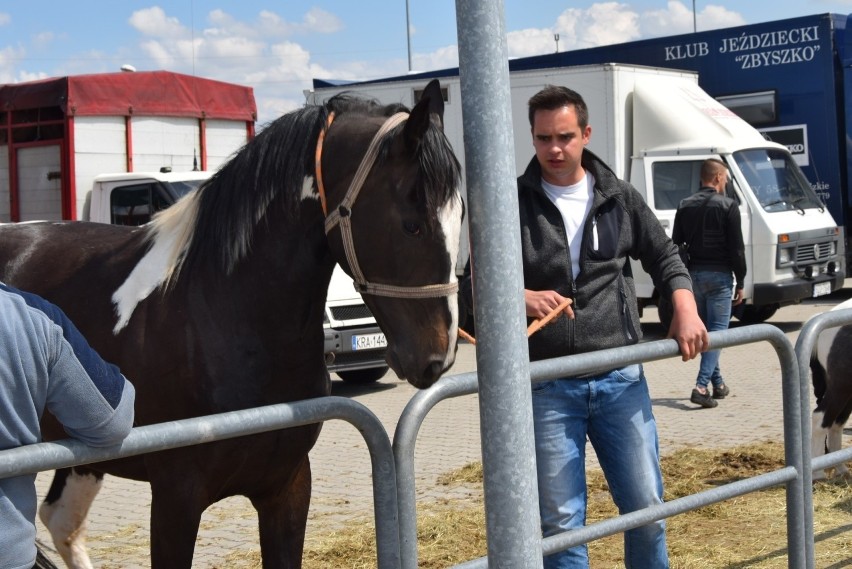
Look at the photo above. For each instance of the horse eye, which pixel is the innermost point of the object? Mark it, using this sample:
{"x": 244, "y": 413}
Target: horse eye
{"x": 411, "y": 227}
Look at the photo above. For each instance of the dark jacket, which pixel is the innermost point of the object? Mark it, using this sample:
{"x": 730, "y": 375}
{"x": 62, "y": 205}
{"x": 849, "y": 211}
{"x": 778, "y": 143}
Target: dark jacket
{"x": 604, "y": 298}
{"x": 710, "y": 223}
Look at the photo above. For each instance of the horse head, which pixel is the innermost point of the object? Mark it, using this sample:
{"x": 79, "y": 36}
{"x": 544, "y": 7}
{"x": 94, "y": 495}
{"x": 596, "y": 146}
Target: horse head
{"x": 394, "y": 223}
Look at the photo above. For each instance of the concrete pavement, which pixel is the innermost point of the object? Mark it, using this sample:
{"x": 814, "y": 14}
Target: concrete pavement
{"x": 449, "y": 439}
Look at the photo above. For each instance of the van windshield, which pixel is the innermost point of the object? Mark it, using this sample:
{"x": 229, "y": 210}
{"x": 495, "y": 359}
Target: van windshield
{"x": 180, "y": 188}
{"x": 776, "y": 180}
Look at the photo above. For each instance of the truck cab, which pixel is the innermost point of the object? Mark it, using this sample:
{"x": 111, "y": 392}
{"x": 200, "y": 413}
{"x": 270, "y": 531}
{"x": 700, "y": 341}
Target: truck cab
{"x": 794, "y": 249}
{"x": 355, "y": 346}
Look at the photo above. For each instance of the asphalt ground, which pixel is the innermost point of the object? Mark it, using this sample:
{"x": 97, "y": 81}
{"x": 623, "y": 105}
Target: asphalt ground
{"x": 449, "y": 439}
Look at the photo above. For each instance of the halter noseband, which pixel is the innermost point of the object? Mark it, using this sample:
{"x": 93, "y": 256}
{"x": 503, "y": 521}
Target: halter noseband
{"x": 343, "y": 216}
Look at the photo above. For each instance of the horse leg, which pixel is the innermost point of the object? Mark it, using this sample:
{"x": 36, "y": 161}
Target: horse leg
{"x": 835, "y": 436}
{"x": 282, "y": 518}
{"x": 177, "y": 504}
{"x": 818, "y": 441}
{"x": 64, "y": 512}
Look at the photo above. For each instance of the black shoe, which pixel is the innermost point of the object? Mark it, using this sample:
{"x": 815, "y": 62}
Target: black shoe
{"x": 721, "y": 391}
{"x": 702, "y": 399}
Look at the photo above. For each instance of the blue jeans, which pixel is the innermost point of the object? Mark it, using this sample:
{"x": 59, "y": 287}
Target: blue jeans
{"x": 614, "y": 411}
{"x": 713, "y": 291}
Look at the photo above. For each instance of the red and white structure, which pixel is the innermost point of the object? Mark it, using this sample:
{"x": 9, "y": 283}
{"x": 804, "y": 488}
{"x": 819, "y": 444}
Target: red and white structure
{"x": 57, "y": 134}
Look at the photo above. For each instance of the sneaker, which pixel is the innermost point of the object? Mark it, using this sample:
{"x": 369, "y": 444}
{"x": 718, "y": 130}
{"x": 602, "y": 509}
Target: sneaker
{"x": 720, "y": 391}
{"x": 703, "y": 399}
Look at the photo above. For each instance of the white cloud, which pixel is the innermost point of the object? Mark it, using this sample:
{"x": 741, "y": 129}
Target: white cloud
{"x": 677, "y": 18}
{"x": 271, "y": 53}
{"x": 439, "y": 59}
{"x": 534, "y": 41}
{"x": 715, "y": 17}
{"x": 257, "y": 52}
{"x": 320, "y": 21}
{"x": 154, "y": 22}
{"x": 43, "y": 40}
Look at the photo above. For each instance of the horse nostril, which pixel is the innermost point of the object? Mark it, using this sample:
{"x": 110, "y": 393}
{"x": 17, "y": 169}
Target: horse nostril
{"x": 433, "y": 371}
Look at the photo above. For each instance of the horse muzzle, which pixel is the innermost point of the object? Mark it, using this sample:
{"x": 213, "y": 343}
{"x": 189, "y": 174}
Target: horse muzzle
{"x": 421, "y": 373}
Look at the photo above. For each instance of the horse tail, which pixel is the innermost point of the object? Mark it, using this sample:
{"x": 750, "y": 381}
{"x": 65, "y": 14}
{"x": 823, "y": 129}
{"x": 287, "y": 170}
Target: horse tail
{"x": 818, "y": 376}
{"x": 42, "y": 561}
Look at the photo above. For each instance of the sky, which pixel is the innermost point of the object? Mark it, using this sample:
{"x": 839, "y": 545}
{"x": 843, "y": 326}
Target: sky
{"x": 277, "y": 48}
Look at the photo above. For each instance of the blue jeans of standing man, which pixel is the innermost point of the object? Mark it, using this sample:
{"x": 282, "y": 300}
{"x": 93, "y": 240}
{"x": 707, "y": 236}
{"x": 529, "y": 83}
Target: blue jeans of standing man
{"x": 614, "y": 411}
{"x": 713, "y": 291}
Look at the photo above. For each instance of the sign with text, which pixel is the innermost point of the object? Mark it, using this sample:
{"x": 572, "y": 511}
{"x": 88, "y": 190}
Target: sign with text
{"x": 794, "y": 137}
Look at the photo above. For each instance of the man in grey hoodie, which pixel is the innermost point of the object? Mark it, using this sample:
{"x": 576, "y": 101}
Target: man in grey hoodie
{"x": 45, "y": 363}
{"x": 580, "y": 225}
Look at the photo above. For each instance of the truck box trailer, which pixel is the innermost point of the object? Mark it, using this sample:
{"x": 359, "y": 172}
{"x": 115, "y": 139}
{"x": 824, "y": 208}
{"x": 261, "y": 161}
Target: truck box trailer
{"x": 57, "y": 134}
{"x": 655, "y": 127}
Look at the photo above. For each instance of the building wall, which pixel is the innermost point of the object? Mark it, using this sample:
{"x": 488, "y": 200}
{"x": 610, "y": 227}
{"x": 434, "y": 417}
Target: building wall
{"x": 99, "y": 145}
{"x": 157, "y": 142}
{"x": 5, "y": 206}
{"x": 224, "y": 138}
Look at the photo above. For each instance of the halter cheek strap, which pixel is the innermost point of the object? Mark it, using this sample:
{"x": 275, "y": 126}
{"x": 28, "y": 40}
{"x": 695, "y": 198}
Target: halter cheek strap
{"x": 343, "y": 216}
{"x": 318, "y": 164}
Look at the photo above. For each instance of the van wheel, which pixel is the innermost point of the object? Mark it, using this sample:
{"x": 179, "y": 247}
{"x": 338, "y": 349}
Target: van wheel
{"x": 363, "y": 376}
{"x": 752, "y": 314}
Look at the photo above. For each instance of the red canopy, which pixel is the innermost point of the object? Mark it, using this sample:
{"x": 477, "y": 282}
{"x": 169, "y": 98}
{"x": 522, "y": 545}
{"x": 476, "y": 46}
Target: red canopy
{"x": 159, "y": 93}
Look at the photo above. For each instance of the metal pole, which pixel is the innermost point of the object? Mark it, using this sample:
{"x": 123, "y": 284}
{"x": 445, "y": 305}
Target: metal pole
{"x": 694, "y": 21}
{"x": 502, "y": 356}
{"x": 408, "y": 33}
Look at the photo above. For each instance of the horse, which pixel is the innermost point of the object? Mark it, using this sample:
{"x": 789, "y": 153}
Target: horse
{"x": 217, "y": 305}
{"x": 831, "y": 373}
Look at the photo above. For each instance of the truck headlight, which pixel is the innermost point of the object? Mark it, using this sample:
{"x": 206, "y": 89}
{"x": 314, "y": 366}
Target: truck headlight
{"x": 783, "y": 256}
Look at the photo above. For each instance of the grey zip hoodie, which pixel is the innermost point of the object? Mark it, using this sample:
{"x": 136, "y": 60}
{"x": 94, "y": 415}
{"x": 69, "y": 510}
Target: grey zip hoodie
{"x": 604, "y": 296}
{"x": 46, "y": 364}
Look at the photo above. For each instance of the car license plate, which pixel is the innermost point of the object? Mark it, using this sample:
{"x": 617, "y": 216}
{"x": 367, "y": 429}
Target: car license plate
{"x": 821, "y": 289}
{"x": 369, "y": 342}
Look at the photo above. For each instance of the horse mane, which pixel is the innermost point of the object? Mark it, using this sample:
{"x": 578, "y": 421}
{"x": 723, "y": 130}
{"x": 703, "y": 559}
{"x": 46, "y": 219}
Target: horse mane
{"x": 218, "y": 221}
{"x": 439, "y": 172}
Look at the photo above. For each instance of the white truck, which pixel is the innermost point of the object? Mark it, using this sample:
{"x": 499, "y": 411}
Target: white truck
{"x": 654, "y": 127}
{"x": 354, "y": 344}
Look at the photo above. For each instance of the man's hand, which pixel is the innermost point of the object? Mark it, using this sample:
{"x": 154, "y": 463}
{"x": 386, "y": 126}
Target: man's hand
{"x": 540, "y": 303}
{"x": 687, "y": 328}
{"x": 738, "y": 297}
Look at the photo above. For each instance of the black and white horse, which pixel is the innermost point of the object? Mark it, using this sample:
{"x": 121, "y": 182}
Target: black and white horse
{"x": 831, "y": 370}
{"x": 217, "y": 305}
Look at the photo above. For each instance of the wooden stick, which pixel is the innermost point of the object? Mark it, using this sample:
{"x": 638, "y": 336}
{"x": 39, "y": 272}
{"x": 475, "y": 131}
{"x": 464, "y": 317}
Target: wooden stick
{"x": 533, "y": 328}
{"x": 465, "y": 336}
{"x": 538, "y": 324}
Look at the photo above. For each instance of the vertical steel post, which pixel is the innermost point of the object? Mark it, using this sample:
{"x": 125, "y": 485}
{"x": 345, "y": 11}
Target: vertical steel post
{"x": 502, "y": 355}
{"x": 408, "y": 33}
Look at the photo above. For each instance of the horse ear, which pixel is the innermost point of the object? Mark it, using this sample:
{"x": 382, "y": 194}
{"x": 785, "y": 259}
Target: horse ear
{"x": 429, "y": 108}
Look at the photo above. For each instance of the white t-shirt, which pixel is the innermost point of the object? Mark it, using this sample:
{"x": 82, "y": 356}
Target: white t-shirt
{"x": 574, "y": 203}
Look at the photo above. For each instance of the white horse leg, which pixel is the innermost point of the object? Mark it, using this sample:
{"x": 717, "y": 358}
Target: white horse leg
{"x": 66, "y": 518}
{"x": 835, "y": 438}
{"x": 818, "y": 440}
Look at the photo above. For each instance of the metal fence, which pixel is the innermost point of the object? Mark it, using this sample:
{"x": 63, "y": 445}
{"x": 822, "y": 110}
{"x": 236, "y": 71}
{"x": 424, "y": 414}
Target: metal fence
{"x": 794, "y": 448}
{"x": 805, "y": 344}
{"x": 393, "y": 465}
{"x": 200, "y": 430}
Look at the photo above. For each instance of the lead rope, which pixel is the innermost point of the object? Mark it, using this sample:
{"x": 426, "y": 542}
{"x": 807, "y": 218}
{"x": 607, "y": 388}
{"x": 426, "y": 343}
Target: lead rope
{"x": 536, "y": 325}
{"x": 342, "y": 216}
